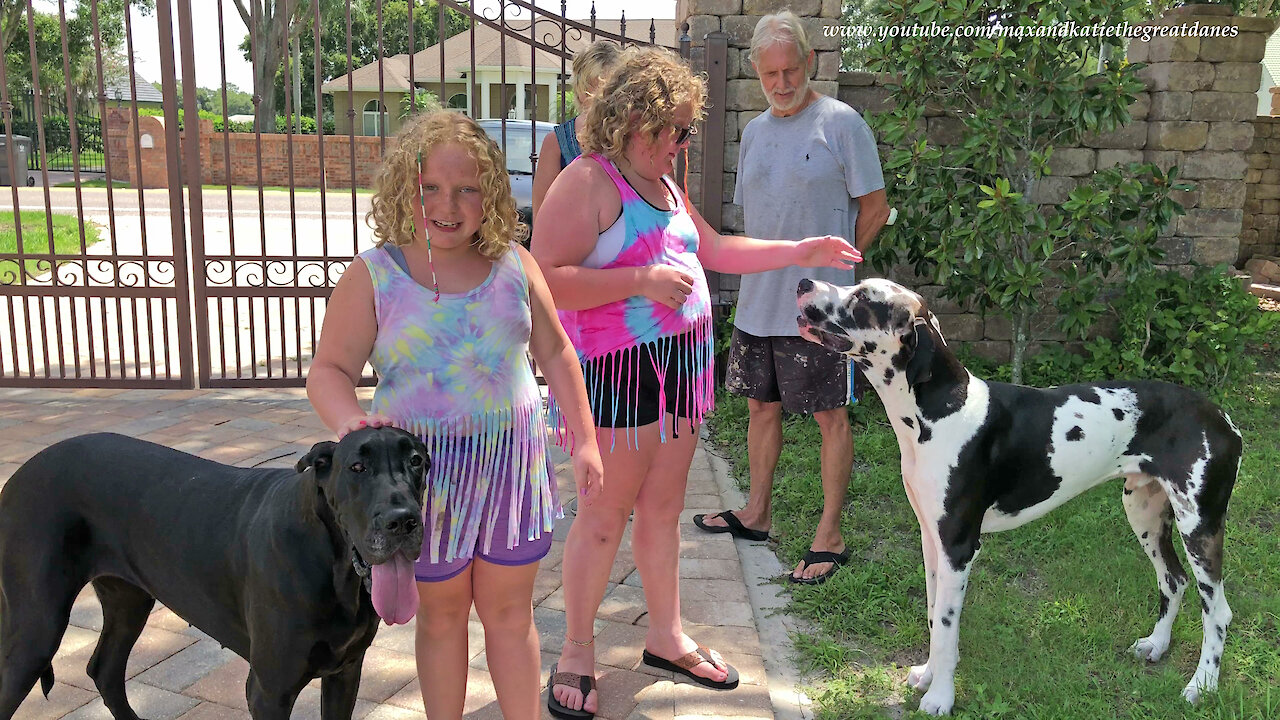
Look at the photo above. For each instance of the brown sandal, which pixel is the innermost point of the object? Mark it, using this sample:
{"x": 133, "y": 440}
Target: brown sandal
{"x": 684, "y": 666}
{"x": 585, "y": 683}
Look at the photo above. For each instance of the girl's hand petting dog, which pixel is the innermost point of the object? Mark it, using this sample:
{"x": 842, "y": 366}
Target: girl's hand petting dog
{"x": 359, "y": 421}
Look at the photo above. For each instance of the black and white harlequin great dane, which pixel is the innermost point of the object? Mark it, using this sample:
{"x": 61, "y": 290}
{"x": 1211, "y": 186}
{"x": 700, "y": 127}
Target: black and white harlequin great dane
{"x": 985, "y": 456}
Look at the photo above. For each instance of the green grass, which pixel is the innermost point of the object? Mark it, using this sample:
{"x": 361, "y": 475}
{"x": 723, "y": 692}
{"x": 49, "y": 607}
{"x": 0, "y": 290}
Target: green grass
{"x": 35, "y": 239}
{"x": 1053, "y": 606}
{"x": 63, "y": 160}
{"x": 101, "y": 183}
{"x": 94, "y": 183}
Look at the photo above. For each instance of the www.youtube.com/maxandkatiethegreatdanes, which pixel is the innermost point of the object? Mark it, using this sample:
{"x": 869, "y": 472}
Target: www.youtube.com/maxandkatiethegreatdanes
{"x": 1064, "y": 30}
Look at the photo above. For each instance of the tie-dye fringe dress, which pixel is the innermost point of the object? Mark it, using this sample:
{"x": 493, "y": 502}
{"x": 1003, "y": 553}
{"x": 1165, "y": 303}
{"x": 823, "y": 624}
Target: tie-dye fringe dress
{"x": 456, "y": 373}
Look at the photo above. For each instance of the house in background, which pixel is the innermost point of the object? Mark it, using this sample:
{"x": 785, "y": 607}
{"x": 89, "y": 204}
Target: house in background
{"x": 119, "y": 93}
{"x": 1268, "y": 103}
{"x": 532, "y": 87}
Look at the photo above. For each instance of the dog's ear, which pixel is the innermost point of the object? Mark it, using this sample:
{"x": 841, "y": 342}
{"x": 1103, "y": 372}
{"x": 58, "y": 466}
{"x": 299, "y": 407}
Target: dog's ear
{"x": 920, "y": 341}
{"x": 319, "y": 458}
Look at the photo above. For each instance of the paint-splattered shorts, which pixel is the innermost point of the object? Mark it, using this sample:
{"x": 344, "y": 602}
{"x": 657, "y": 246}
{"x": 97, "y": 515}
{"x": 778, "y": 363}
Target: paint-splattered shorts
{"x": 804, "y": 376}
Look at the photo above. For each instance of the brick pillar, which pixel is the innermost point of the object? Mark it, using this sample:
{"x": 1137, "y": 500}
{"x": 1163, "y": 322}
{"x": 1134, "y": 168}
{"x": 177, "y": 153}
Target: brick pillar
{"x": 115, "y": 131}
{"x": 1203, "y": 100}
{"x": 148, "y": 166}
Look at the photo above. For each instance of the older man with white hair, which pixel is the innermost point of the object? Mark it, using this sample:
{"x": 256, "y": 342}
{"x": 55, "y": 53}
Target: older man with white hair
{"x": 807, "y": 167}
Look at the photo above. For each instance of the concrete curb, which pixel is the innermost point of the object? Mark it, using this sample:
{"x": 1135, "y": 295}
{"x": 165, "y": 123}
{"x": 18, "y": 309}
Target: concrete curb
{"x": 760, "y": 567}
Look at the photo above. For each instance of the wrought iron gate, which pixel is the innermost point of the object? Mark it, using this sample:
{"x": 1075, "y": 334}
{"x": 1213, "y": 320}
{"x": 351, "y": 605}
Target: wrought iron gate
{"x": 99, "y": 297}
{"x": 229, "y": 289}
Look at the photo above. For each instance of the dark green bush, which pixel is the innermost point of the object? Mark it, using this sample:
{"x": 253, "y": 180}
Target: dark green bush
{"x": 308, "y": 123}
{"x": 57, "y": 133}
{"x": 1188, "y": 330}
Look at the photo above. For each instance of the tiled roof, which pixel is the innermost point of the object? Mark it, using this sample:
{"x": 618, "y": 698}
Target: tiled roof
{"x": 117, "y": 88}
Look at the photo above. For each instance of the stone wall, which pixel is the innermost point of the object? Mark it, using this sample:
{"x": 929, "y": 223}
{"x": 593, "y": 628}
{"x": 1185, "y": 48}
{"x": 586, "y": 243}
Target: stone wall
{"x": 1198, "y": 112}
{"x": 1259, "y": 234}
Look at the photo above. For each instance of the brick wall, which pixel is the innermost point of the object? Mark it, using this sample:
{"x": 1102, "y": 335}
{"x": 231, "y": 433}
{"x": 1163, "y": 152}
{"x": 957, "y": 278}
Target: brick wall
{"x": 1198, "y": 112}
{"x": 1262, "y": 192}
{"x": 245, "y": 158}
{"x": 244, "y": 155}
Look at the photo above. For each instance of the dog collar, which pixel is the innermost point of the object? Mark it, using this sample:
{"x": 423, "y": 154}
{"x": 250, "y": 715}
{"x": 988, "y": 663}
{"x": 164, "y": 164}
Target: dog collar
{"x": 362, "y": 569}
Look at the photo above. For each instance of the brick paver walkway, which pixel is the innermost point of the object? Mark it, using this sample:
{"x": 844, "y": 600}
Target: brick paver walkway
{"x": 177, "y": 671}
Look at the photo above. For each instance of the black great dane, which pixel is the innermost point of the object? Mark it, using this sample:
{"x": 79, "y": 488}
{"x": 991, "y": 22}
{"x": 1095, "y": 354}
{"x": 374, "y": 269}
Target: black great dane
{"x": 982, "y": 457}
{"x": 273, "y": 564}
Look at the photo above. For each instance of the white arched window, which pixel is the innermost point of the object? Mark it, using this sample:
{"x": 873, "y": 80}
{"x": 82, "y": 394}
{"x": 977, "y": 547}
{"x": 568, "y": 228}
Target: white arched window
{"x": 458, "y": 101}
{"x": 375, "y": 122}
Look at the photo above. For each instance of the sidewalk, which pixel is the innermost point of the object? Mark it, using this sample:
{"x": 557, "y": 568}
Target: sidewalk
{"x": 176, "y": 671}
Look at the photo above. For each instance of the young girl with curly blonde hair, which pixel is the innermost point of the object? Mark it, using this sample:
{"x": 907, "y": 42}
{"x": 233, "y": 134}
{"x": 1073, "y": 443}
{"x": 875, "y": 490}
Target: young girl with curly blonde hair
{"x": 445, "y": 307}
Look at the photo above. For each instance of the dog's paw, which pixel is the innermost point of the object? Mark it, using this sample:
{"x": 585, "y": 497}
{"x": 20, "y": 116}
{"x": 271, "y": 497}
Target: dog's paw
{"x": 1191, "y": 693}
{"x": 920, "y": 677}
{"x": 1150, "y": 648}
{"x": 1198, "y": 687}
{"x": 937, "y": 702}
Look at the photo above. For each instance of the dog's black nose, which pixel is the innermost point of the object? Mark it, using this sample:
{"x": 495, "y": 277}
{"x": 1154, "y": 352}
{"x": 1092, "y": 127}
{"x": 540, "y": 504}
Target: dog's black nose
{"x": 806, "y": 285}
{"x": 400, "y": 521}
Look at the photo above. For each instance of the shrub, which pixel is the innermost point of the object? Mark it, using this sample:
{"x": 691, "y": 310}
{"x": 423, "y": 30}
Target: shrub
{"x": 308, "y": 123}
{"x": 1188, "y": 330}
{"x": 57, "y": 133}
{"x": 971, "y": 212}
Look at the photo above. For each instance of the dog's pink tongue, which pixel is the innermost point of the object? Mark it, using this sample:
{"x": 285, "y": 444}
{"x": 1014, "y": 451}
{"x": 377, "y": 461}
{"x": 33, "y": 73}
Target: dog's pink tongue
{"x": 395, "y": 592}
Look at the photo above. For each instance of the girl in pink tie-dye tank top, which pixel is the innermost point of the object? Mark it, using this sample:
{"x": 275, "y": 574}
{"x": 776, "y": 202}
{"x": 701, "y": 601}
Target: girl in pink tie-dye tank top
{"x": 621, "y": 248}
{"x": 634, "y": 348}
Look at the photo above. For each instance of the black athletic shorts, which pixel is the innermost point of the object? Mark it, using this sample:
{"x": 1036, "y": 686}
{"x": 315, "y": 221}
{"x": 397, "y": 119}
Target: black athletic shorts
{"x": 623, "y": 387}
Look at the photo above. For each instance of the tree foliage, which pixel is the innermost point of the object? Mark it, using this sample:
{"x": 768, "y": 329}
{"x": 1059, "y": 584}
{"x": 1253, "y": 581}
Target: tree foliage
{"x": 423, "y": 101}
{"x": 971, "y": 214}
{"x": 861, "y": 23}
{"x": 209, "y": 100}
{"x": 80, "y": 54}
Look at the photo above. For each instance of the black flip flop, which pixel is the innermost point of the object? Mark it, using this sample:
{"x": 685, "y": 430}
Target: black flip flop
{"x": 732, "y": 525}
{"x": 813, "y": 557}
{"x": 585, "y": 683}
{"x": 685, "y": 665}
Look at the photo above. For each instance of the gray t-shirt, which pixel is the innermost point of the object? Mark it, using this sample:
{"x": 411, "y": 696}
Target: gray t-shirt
{"x": 797, "y": 178}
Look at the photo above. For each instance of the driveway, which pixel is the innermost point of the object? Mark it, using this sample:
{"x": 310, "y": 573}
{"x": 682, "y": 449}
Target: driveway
{"x": 176, "y": 671}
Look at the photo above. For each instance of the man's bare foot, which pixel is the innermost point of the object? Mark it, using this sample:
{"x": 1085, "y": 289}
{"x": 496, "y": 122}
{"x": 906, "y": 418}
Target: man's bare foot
{"x": 816, "y": 565}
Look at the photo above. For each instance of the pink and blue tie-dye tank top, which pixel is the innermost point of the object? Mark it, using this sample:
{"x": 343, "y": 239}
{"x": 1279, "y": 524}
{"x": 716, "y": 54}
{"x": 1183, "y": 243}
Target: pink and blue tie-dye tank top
{"x": 652, "y": 237}
{"x": 455, "y": 372}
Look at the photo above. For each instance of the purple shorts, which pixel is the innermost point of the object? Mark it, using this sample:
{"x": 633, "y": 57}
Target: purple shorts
{"x": 525, "y": 551}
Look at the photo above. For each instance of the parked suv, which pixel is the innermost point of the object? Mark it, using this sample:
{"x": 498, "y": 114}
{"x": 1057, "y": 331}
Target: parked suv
{"x": 523, "y": 137}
